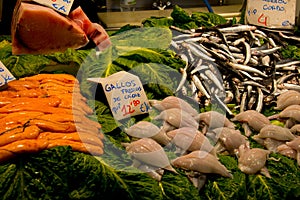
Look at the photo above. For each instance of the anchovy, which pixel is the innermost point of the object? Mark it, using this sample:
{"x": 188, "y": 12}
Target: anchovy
{"x": 191, "y": 39}
{"x": 197, "y": 51}
{"x": 221, "y": 35}
{"x": 258, "y": 48}
{"x": 225, "y": 53}
{"x": 182, "y": 30}
{"x": 243, "y": 102}
{"x": 199, "y": 66}
{"x": 237, "y": 94}
{"x": 277, "y": 39}
{"x": 290, "y": 86}
{"x": 254, "y": 78}
{"x": 249, "y": 90}
{"x": 251, "y": 101}
{"x": 184, "y": 74}
{"x": 199, "y": 69}
{"x": 175, "y": 45}
{"x": 254, "y": 40}
{"x": 247, "y": 52}
{"x": 229, "y": 97}
{"x": 182, "y": 36}
{"x": 253, "y": 61}
{"x": 223, "y": 105}
{"x": 265, "y": 51}
{"x": 297, "y": 39}
{"x": 214, "y": 53}
{"x": 260, "y": 32}
{"x": 287, "y": 64}
{"x": 218, "y": 46}
{"x": 184, "y": 90}
{"x": 234, "y": 49}
{"x": 272, "y": 42}
{"x": 253, "y": 84}
{"x": 204, "y": 77}
{"x": 200, "y": 86}
{"x": 274, "y": 87}
{"x": 215, "y": 80}
{"x": 239, "y": 28}
{"x": 246, "y": 68}
{"x": 282, "y": 79}
{"x": 238, "y": 41}
{"x": 260, "y": 99}
{"x": 289, "y": 68}
{"x": 214, "y": 39}
{"x": 238, "y": 56}
{"x": 194, "y": 89}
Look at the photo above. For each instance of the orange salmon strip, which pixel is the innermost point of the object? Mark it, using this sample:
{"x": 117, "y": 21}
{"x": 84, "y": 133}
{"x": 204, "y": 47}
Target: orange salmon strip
{"x": 75, "y": 136}
{"x": 11, "y": 102}
{"x": 26, "y": 146}
{"x": 53, "y": 126}
{"x": 76, "y": 146}
{"x": 30, "y": 132}
{"x": 66, "y": 78}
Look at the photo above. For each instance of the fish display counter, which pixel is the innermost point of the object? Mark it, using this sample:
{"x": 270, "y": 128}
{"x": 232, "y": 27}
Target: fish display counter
{"x": 190, "y": 104}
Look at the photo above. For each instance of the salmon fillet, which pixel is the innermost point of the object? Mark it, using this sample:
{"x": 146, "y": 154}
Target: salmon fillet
{"x": 37, "y": 29}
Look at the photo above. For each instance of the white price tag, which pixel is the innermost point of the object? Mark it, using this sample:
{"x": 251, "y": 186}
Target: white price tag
{"x": 62, "y": 6}
{"x": 5, "y": 75}
{"x": 271, "y": 13}
{"x": 125, "y": 94}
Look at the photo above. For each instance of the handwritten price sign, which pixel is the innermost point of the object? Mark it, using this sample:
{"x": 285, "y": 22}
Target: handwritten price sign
{"x": 62, "y": 6}
{"x": 5, "y": 75}
{"x": 271, "y": 13}
{"x": 125, "y": 94}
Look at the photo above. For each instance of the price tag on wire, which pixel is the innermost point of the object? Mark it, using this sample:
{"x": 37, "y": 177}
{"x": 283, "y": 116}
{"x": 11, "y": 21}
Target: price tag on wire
{"x": 62, "y": 6}
{"x": 5, "y": 75}
{"x": 125, "y": 94}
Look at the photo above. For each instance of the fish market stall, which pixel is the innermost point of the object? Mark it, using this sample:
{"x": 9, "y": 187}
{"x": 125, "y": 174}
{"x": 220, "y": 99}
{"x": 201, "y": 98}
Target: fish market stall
{"x": 193, "y": 105}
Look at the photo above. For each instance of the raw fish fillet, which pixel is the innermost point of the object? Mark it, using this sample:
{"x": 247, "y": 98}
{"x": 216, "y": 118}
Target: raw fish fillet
{"x": 37, "y": 29}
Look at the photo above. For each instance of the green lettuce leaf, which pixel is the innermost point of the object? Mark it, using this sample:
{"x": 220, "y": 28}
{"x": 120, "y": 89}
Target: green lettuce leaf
{"x": 180, "y": 15}
{"x": 5, "y": 49}
{"x": 26, "y": 65}
{"x": 159, "y": 79}
{"x": 207, "y": 19}
{"x": 283, "y": 184}
{"x": 155, "y": 61}
{"x": 222, "y": 188}
{"x": 182, "y": 19}
{"x": 158, "y": 22}
{"x": 72, "y": 175}
{"x": 104, "y": 116}
{"x": 291, "y": 51}
{"x": 147, "y": 37}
